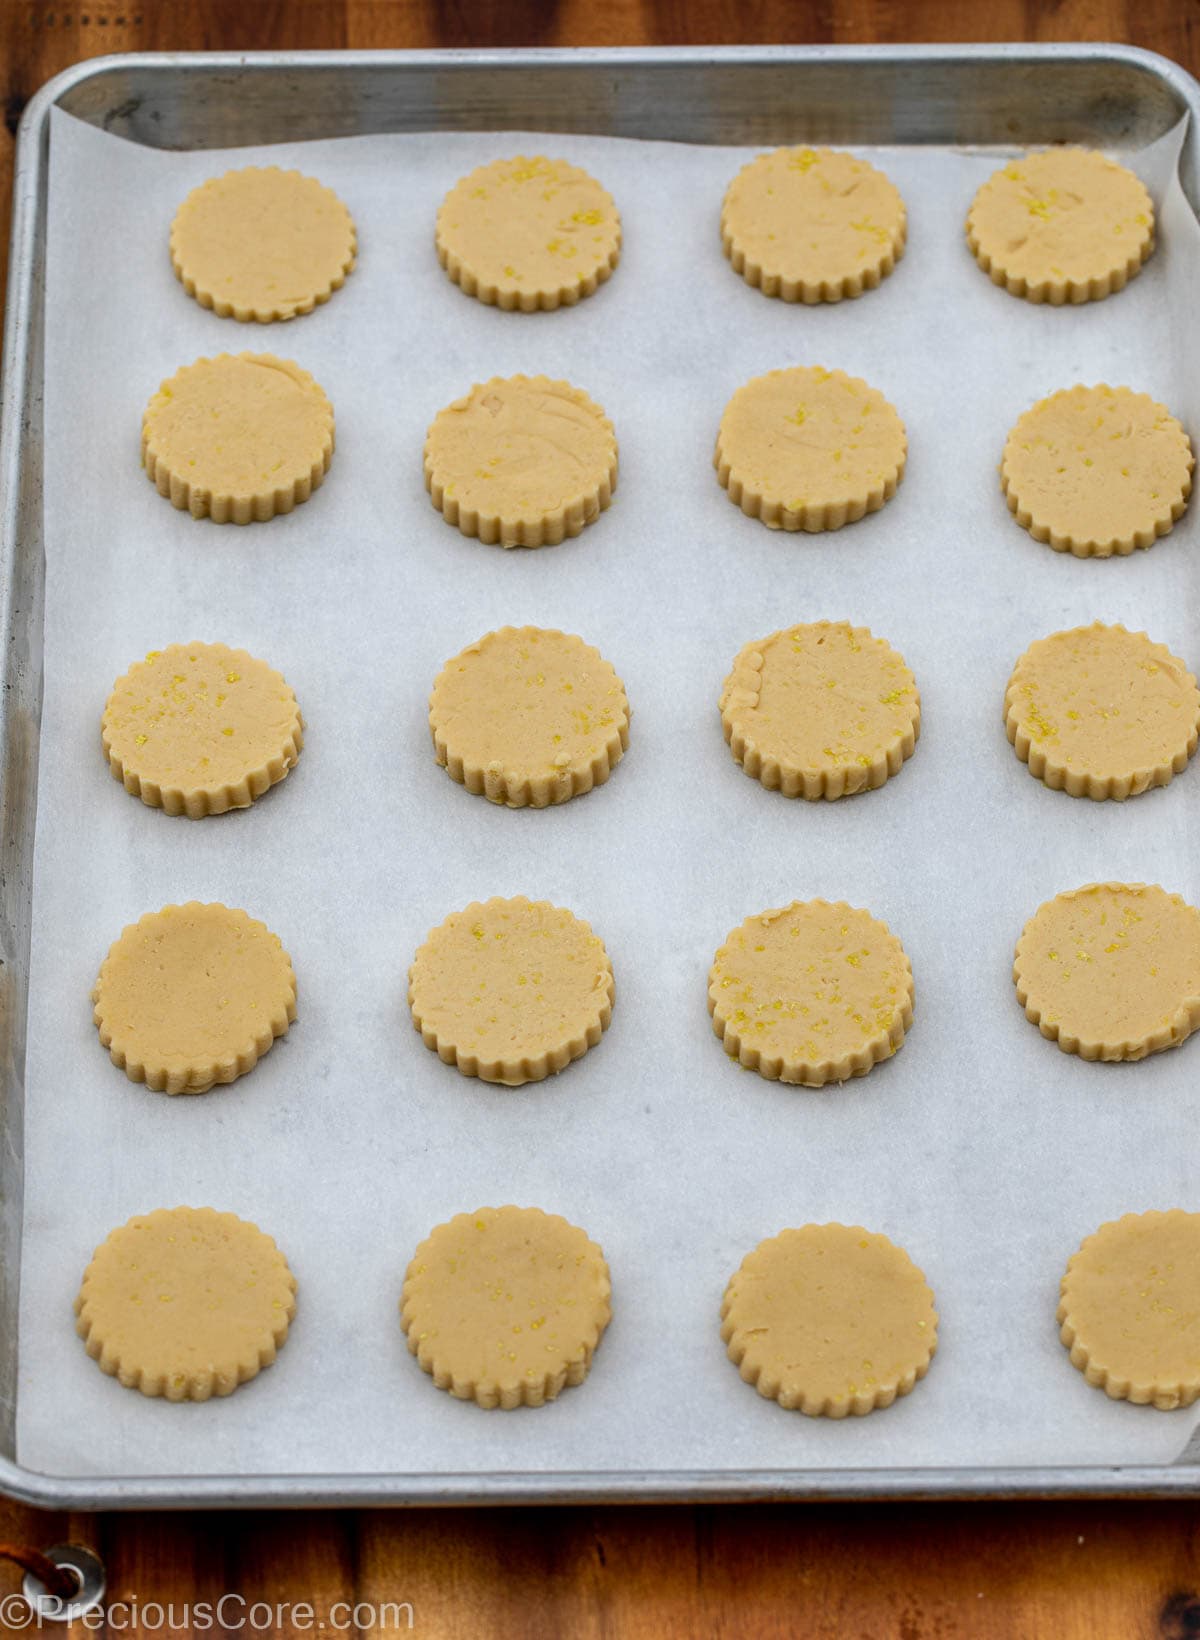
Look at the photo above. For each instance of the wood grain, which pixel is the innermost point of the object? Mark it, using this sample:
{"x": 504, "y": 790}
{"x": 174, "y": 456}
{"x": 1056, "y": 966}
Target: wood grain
{"x": 1096, "y": 1571}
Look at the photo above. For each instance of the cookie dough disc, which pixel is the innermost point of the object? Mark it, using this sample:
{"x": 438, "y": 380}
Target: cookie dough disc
{"x": 829, "y": 1319}
{"x": 200, "y": 728}
{"x": 1065, "y": 225}
{"x": 821, "y": 710}
{"x": 812, "y": 224}
{"x": 262, "y": 244}
{"x": 812, "y": 993}
{"x": 193, "y": 995}
{"x": 528, "y": 234}
{"x": 511, "y": 990}
{"x": 809, "y": 449}
{"x": 1097, "y": 471}
{"x": 1112, "y": 970}
{"x": 506, "y": 1305}
{"x": 522, "y": 461}
{"x": 1101, "y": 712}
{"x": 1130, "y": 1309}
{"x": 186, "y": 1303}
{"x": 238, "y": 438}
{"x": 528, "y": 716}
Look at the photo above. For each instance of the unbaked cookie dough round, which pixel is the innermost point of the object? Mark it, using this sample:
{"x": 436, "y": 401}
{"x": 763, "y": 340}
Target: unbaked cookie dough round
{"x": 505, "y": 1306}
{"x": 1097, "y": 470}
{"x": 511, "y": 990}
{"x": 262, "y": 243}
{"x": 186, "y": 1303}
{"x": 193, "y": 995}
{"x": 200, "y": 728}
{"x": 1130, "y": 1309}
{"x": 809, "y": 449}
{"x": 812, "y": 224}
{"x": 811, "y": 993}
{"x": 1063, "y": 225}
{"x": 522, "y": 461}
{"x": 238, "y": 438}
{"x": 821, "y": 710}
{"x": 1101, "y": 712}
{"x": 829, "y": 1319}
{"x": 527, "y": 233}
{"x": 1112, "y": 970}
{"x": 528, "y": 717}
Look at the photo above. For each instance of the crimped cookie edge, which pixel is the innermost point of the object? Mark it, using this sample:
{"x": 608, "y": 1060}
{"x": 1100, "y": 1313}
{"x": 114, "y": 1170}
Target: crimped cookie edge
{"x": 247, "y": 1370}
{"x": 513, "y": 1072}
{"x": 551, "y": 529}
{"x": 1117, "y": 1387}
{"x": 884, "y": 1045}
{"x": 858, "y": 1405}
{"x": 1065, "y": 291}
{"x": 225, "y": 507}
{"x": 774, "y": 284}
{"x": 202, "y": 1075}
{"x": 1186, "y": 1017}
{"x": 1162, "y": 521}
{"x": 481, "y": 780}
{"x": 1057, "y": 776}
{"x": 509, "y": 299}
{"x": 488, "y": 1394}
{"x": 225, "y": 309}
{"x": 812, "y": 519}
{"x": 195, "y": 802}
{"x": 788, "y": 778}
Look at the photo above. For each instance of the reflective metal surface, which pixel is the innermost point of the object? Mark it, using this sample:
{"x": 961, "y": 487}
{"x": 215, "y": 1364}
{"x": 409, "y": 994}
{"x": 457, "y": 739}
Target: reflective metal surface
{"x": 90, "y": 1583}
{"x": 1107, "y": 96}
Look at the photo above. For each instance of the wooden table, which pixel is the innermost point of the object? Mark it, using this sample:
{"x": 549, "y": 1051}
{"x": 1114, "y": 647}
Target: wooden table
{"x": 1095, "y": 1571}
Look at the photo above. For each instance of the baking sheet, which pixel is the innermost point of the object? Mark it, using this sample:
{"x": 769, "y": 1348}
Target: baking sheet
{"x": 980, "y": 1148}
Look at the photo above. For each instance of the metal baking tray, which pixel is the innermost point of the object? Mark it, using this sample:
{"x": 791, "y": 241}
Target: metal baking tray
{"x": 1101, "y": 95}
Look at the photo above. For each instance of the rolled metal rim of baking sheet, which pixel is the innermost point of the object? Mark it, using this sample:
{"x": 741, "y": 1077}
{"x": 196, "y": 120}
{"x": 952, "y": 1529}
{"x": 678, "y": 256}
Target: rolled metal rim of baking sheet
{"x": 20, "y": 401}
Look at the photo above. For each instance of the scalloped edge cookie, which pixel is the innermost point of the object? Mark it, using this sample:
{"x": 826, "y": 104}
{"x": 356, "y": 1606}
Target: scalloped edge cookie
{"x": 548, "y": 529}
{"x": 750, "y": 493}
{"x": 740, "y": 693}
{"x": 1160, "y": 521}
{"x": 198, "y": 1075}
{"x": 226, "y": 507}
{"x": 803, "y": 1072}
{"x": 1060, "y": 289}
{"x": 1184, "y": 1020}
{"x": 514, "y": 1070}
{"x": 510, "y": 787}
{"x": 287, "y": 307}
{"x": 788, "y": 288}
{"x": 1151, "y": 1390}
{"x": 196, "y": 801}
{"x": 195, "y": 1379}
{"x": 570, "y": 1367}
{"x": 1052, "y": 771}
{"x": 770, "y": 1379}
{"x": 511, "y": 298}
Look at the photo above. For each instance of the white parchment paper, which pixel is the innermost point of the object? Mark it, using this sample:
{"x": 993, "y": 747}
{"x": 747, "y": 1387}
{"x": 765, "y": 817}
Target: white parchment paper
{"x": 981, "y": 1148}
